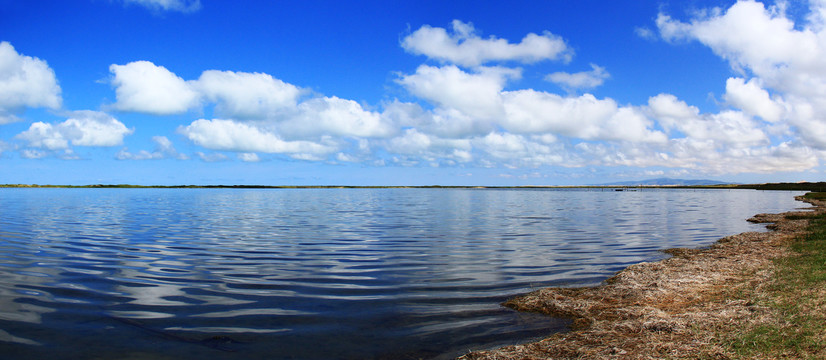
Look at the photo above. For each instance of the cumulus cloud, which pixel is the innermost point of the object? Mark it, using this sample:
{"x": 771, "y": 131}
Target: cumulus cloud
{"x": 228, "y": 135}
{"x": 25, "y": 82}
{"x": 727, "y": 127}
{"x": 83, "y": 128}
{"x": 476, "y": 95}
{"x": 584, "y": 117}
{"x": 142, "y": 86}
{"x": 521, "y": 151}
{"x": 334, "y": 116}
{"x": 256, "y": 98}
{"x": 747, "y": 34}
{"x": 247, "y": 95}
{"x": 463, "y": 46}
{"x": 414, "y": 142}
{"x": 581, "y": 80}
{"x": 184, "y": 6}
{"x": 753, "y": 99}
{"x": 787, "y": 61}
{"x": 475, "y": 104}
{"x": 468, "y": 114}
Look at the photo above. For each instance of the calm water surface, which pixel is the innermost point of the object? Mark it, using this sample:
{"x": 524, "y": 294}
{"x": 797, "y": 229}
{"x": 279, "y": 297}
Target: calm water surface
{"x": 321, "y": 274}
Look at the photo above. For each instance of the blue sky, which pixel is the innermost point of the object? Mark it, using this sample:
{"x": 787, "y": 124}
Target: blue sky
{"x": 410, "y": 93}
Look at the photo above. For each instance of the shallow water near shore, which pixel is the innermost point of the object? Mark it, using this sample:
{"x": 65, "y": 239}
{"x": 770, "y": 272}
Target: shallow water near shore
{"x": 322, "y": 273}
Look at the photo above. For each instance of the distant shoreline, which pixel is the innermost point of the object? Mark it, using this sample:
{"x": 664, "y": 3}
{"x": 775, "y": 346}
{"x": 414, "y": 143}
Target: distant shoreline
{"x": 804, "y": 186}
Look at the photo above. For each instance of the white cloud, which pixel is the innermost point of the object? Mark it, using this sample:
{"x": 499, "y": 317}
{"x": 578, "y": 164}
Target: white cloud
{"x": 475, "y": 104}
{"x": 163, "y": 149}
{"x": 417, "y": 145}
{"x": 247, "y": 95}
{"x": 787, "y": 61}
{"x": 142, "y": 86}
{"x": 94, "y": 128}
{"x": 33, "y": 154}
{"x": 584, "y": 117}
{"x": 124, "y": 154}
{"x": 213, "y": 157}
{"x": 411, "y": 142}
{"x": 464, "y": 47}
{"x": 476, "y": 95}
{"x": 468, "y": 115}
{"x": 724, "y": 128}
{"x": 645, "y": 33}
{"x": 753, "y": 99}
{"x": 249, "y": 157}
{"x": 334, "y": 116}
{"x": 347, "y": 157}
{"x": 581, "y": 80}
{"x": 405, "y": 114}
{"x": 44, "y": 135}
{"x": 83, "y": 128}
{"x": 228, "y": 135}
{"x": 780, "y": 158}
{"x": 184, "y": 6}
{"x": 747, "y": 34}
{"x": 25, "y": 82}
{"x": 512, "y": 147}
{"x": 670, "y": 111}
{"x": 730, "y": 127}
{"x": 6, "y": 118}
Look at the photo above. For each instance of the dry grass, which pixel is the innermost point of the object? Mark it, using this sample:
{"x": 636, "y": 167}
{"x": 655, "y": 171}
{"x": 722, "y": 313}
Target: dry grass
{"x": 693, "y": 305}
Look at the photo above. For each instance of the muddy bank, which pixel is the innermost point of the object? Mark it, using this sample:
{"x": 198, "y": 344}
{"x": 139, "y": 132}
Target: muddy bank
{"x": 680, "y": 307}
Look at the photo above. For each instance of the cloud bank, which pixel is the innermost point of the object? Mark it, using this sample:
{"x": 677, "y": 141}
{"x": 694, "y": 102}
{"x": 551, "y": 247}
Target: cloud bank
{"x": 467, "y": 112}
{"x": 465, "y": 107}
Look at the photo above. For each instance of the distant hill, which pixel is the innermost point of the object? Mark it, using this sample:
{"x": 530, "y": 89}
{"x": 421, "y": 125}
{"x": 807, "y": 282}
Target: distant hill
{"x": 665, "y": 182}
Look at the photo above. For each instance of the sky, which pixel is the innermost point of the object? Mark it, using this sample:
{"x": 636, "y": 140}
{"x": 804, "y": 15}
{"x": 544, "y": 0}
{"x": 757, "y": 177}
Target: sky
{"x": 167, "y": 92}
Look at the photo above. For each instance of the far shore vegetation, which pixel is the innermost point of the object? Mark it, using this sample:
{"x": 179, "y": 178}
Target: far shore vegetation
{"x": 800, "y": 186}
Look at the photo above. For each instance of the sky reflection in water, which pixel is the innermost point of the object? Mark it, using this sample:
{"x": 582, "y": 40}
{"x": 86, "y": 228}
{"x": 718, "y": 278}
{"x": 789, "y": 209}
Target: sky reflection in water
{"x": 357, "y": 273}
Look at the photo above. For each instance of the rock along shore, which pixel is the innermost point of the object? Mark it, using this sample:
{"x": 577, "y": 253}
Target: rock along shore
{"x": 674, "y": 308}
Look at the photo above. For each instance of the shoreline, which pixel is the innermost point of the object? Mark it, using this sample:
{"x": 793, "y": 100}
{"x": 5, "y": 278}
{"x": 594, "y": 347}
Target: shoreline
{"x": 672, "y": 308}
{"x": 804, "y": 186}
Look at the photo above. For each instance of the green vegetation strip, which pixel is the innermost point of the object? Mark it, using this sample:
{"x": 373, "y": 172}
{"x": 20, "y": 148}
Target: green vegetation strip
{"x": 798, "y": 296}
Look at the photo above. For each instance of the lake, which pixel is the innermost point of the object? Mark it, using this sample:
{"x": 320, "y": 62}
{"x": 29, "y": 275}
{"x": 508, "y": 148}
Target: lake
{"x": 322, "y": 273}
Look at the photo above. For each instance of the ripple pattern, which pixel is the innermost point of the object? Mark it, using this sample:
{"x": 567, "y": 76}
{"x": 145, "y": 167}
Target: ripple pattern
{"x": 318, "y": 274}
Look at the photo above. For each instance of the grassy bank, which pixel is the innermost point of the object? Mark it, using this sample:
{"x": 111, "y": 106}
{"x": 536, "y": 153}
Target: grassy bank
{"x": 755, "y": 295}
{"x": 797, "y": 295}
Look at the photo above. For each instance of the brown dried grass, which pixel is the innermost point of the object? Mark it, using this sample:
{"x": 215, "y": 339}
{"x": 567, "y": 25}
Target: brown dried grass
{"x": 688, "y": 306}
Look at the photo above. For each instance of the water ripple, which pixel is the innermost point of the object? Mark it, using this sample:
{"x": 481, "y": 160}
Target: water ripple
{"x": 320, "y": 273}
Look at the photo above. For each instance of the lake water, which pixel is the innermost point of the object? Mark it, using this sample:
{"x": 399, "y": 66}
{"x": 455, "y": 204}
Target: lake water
{"x": 322, "y": 274}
